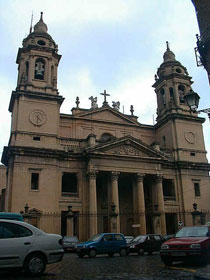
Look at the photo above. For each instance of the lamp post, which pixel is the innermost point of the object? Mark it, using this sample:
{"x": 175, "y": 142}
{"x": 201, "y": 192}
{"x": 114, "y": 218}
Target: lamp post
{"x": 192, "y": 99}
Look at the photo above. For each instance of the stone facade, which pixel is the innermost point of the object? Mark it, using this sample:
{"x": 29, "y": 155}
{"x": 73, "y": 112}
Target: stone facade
{"x": 97, "y": 169}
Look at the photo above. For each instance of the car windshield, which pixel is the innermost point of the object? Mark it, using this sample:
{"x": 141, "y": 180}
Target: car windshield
{"x": 139, "y": 238}
{"x": 95, "y": 237}
{"x": 192, "y": 232}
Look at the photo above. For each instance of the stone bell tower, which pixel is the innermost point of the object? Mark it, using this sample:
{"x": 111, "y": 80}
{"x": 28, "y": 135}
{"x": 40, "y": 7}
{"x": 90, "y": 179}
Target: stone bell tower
{"x": 35, "y": 104}
{"x": 178, "y": 128}
{"x": 172, "y": 82}
{"x": 38, "y": 61}
{"x": 35, "y": 107}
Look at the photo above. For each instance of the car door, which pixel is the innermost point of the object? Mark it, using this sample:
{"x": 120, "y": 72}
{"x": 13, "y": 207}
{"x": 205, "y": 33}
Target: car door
{"x": 105, "y": 245}
{"x": 15, "y": 241}
{"x": 157, "y": 242}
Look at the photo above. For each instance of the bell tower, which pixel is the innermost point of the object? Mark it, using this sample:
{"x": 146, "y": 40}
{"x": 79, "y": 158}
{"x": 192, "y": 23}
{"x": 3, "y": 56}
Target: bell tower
{"x": 35, "y": 104}
{"x": 37, "y": 61}
{"x": 178, "y": 128}
{"x": 172, "y": 82}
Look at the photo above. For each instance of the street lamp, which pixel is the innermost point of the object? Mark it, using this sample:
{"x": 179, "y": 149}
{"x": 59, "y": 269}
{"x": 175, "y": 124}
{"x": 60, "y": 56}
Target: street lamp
{"x": 192, "y": 99}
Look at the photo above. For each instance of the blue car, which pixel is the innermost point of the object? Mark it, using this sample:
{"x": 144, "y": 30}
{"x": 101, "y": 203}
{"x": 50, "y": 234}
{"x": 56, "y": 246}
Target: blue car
{"x": 103, "y": 243}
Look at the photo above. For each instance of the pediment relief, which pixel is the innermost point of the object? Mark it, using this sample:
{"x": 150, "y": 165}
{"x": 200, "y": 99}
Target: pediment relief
{"x": 125, "y": 150}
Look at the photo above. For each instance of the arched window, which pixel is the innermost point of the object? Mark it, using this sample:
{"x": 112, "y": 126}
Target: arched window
{"x": 52, "y": 75}
{"x": 106, "y": 137}
{"x": 39, "y": 69}
{"x": 27, "y": 67}
{"x": 181, "y": 90}
{"x": 162, "y": 92}
{"x": 171, "y": 90}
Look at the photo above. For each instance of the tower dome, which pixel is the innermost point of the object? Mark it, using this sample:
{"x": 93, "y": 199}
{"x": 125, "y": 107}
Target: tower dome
{"x": 40, "y": 27}
{"x": 168, "y": 55}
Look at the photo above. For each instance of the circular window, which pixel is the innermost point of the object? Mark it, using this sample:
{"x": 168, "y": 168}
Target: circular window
{"x": 41, "y": 42}
{"x": 178, "y": 70}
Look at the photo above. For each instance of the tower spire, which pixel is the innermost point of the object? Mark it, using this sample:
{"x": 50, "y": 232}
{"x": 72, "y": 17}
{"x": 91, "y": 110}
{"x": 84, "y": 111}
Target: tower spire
{"x": 41, "y": 17}
{"x": 31, "y": 23}
{"x": 167, "y": 46}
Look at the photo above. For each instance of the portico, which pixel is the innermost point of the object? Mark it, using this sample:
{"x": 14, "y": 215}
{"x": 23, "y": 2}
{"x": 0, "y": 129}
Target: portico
{"x": 126, "y": 192}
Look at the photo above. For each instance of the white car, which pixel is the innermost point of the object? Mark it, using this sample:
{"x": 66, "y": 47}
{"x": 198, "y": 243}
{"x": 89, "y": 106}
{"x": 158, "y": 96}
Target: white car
{"x": 27, "y": 247}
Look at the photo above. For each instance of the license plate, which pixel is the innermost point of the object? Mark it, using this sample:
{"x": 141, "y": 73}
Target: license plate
{"x": 178, "y": 254}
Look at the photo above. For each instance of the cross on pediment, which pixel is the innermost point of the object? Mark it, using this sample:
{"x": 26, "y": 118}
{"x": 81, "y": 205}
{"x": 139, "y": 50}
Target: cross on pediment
{"x": 105, "y": 95}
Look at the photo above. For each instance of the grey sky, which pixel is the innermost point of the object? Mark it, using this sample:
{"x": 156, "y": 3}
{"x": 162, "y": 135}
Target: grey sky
{"x": 115, "y": 45}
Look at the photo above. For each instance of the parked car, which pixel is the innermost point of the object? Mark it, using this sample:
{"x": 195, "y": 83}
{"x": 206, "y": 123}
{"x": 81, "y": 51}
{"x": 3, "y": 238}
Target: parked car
{"x": 11, "y": 216}
{"x": 69, "y": 243}
{"x": 27, "y": 247}
{"x": 145, "y": 243}
{"x": 129, "y": 238}
{"x": 103, "y": 243}
{"x": 188, "y": 244}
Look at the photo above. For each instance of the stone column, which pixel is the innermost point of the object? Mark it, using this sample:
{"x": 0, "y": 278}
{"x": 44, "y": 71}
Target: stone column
{"x": 69, "y": 226}
{"x": 160, "y": 201}
{"x": 115, "y": 221}
{"x": 141, "y": 203}
{"x": 92, "y": 203}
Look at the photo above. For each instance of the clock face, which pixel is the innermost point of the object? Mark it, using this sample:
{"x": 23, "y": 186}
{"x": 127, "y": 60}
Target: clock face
{"x": 37, "y": 117}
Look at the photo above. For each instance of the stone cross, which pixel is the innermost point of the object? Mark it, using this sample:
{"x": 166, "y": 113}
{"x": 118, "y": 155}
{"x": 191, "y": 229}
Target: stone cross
{"x": 105, "y": 95}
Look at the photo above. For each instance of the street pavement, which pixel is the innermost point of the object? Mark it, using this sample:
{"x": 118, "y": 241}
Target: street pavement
{"x": 132, "y": 267}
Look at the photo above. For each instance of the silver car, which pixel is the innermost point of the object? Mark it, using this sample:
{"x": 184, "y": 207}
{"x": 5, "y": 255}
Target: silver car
{"x": 27, "y": 247}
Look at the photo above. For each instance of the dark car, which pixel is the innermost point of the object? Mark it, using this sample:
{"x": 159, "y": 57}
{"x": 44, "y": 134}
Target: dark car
{"x": 103, "y": 243}
{"x": 69, "y": 243}
{"x": 146, "y": 243}
{"x": 129, "y": 238}
{"x": 191, "y": 244}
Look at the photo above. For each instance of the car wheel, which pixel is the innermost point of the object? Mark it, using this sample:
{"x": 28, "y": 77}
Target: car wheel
{"x": 92, "y": 253}
{"x": 111, "y": 254}
{"x": 123, "y": 252}
{"x": 141, "y": 251}
{"x": 35, "y": 264}
{"x": 167, "y": 261}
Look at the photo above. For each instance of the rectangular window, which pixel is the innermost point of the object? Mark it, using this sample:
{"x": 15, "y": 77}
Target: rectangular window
{"x": 34, "y": 181}
{"x": 168, "y": 189}
{"x": 69, "y": 184}
{"x": 36, "y": 138}
{"x": 197, "y": 189}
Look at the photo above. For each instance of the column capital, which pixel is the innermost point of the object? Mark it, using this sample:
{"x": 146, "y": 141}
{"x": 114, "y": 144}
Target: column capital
{"x": 159, "y": 178}
{"x": 114, "y": 175}
{"x": 140, "y": 177}
{"x": 92, "y": 174}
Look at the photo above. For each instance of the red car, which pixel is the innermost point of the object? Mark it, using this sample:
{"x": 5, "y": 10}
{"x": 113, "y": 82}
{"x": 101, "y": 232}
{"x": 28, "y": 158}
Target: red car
{"x": 189, "y": 244}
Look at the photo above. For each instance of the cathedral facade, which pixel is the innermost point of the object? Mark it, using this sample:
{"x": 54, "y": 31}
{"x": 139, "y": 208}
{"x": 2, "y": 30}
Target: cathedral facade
{"x": 97, "y": 169}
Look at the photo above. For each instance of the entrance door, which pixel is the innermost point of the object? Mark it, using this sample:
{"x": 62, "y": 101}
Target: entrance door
{"x": 171, "y": 223}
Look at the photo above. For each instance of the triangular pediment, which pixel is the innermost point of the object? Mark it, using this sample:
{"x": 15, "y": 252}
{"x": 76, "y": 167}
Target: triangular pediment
{"x": 109, "y": 115}
{"x": 127, "y": 146}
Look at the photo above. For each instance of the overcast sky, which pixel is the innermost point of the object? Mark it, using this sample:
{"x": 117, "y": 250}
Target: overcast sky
{"x": 115, "y": 45}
